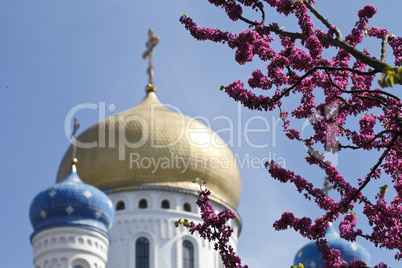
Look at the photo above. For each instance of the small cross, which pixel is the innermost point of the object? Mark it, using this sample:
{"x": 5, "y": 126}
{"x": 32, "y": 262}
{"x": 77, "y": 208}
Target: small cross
{"x": 327, "y": 187}
{"x": 76, "y": 126}
{"x": 153, "y": 40}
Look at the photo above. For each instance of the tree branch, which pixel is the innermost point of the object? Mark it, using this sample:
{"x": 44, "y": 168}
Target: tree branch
{"x": 374, "y": 168}
{"x": 324, "y": 20}
{"x": 361, "y": 91}
{"x": 378, "y": 135}
{"x": 378, "y": 65}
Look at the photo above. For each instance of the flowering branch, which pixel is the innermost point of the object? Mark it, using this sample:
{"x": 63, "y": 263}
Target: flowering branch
{"x": 346, "y": 81}
{"x": 214, "y": 228}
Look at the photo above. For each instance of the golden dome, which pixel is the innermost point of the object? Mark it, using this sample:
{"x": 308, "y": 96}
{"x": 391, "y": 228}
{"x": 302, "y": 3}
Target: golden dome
{"x": 152, "y": 146}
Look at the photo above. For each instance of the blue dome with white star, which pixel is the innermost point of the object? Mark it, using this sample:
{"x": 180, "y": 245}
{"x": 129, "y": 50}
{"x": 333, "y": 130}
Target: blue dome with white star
{"x": 310, "y": 257}
{"x": 72, "y": 203}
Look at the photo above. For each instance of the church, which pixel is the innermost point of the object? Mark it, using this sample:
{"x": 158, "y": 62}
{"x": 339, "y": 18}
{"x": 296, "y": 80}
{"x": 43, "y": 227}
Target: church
{"x": 115, "y": 206}
{"x": 126, "y": 180}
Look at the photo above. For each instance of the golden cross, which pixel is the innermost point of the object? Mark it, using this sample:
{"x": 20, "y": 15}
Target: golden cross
{"x": 76, "y": 126}
{"x": 327, "y": 187}
{"x": 153, "y": 40}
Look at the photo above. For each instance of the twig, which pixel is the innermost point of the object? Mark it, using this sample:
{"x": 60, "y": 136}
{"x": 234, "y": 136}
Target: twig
{"x": 384, "y": 47}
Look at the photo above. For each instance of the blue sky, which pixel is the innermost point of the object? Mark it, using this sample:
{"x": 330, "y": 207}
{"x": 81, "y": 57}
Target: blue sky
{"x": 55, "y": 55}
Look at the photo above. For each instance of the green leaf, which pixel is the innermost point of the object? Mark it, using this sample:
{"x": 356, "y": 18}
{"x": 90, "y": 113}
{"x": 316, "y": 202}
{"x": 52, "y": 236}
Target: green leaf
{"x": 381, "y": 82}
{"x": 391, "y": 78}
{"x": 383, "y": 189}
{"x": 389, "y": 83}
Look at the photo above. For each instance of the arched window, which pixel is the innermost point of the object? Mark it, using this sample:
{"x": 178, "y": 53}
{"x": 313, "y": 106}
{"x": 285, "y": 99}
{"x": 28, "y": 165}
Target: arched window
{"x": 120, "y": 205}
{"x": 142, "y": 253}
{"x": 165, "y": 204}
{"x": 187, "y": 207}
{"x": 143, "y": 203}
{"x": 188, "y": 254}
{"x": 79, "y": 263}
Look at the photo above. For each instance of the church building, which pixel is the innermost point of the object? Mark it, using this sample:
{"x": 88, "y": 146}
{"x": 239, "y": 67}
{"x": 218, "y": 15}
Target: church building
{"x": 116, "y": 206}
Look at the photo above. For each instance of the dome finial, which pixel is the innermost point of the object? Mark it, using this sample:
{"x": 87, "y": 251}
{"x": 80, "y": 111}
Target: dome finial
{"x": 74, "y": 160}
{"x": 153, "y": 40}
{"x": 74, "y": 164}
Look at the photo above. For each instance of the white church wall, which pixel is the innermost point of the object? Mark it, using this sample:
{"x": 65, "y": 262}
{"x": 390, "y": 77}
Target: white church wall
{"x": 64, "y": 247}
{"x": 157, "y": 225}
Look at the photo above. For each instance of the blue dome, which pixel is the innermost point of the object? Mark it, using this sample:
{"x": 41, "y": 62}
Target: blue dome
{"x": 72, "y": 203}
{"x": 310, "y": 257}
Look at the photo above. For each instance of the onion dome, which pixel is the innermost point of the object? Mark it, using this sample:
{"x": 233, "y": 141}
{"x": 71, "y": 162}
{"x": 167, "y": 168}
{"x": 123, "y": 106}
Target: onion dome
{"x": 153, "y": 147}
{"x": 310, "y": 257}
{"x": 72, "y": 203}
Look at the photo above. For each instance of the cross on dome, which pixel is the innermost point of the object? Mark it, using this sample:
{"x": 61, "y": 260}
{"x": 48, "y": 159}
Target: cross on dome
{"x": 153, "y": 40}
{"x": 76, "y": 126}
{"x": 327, "y": 187}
